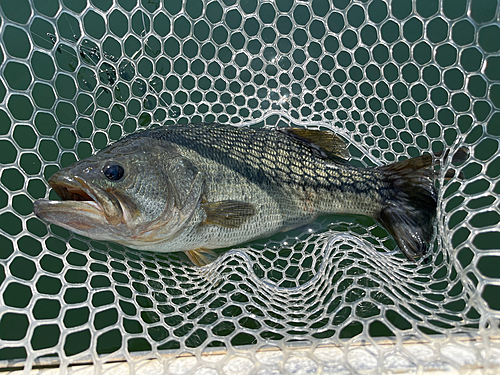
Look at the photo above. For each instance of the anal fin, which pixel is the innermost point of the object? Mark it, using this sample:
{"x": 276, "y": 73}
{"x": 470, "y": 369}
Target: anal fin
{"x": 201, "y": 257}
{"x": 229, "y": 213}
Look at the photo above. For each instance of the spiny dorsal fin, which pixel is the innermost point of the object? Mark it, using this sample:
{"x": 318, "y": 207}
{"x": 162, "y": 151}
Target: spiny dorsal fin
{"x": 326, "y": 144}
{"x": 229, "y": 214}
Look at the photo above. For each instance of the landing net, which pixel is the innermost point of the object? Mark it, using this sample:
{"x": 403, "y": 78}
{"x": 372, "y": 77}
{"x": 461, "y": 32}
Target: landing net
{"x": 395, "y": 79}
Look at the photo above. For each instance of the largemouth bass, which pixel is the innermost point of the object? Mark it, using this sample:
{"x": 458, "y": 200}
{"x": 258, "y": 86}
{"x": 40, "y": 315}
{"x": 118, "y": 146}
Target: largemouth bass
{"x": 198, "y": 187}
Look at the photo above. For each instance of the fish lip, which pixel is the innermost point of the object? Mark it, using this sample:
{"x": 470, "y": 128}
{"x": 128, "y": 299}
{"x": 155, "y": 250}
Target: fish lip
{"x": 71, "y": 188}
{"x": 75, "y": 189}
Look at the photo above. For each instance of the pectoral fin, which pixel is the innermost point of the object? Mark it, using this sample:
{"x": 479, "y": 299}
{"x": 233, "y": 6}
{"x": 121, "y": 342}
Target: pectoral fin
{"x": 322, "y": 142}
{"x": 201, "y": 257}
{"x": 230, "y": 214}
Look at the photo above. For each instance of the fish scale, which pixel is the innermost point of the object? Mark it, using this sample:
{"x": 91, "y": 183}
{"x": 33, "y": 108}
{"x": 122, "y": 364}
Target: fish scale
{"x": 266, "y": 150}
{"x": 197, "y": 187}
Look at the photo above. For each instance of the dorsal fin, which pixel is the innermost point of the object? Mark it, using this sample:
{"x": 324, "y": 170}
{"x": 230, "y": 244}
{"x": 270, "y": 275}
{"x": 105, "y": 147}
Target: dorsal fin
{"x": 323, "y": 143}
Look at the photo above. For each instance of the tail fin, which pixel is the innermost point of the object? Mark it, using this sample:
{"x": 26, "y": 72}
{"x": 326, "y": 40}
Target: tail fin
{"x": 409, "y": 213}
{"x": 459, "y": 157}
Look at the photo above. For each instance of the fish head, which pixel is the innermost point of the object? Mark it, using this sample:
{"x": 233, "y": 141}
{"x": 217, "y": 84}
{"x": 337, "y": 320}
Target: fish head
{"x": 136, "y": 192}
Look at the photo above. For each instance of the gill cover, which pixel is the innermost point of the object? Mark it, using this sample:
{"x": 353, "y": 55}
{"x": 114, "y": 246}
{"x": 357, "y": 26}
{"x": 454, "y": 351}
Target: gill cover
{"x": 185, "y": 187}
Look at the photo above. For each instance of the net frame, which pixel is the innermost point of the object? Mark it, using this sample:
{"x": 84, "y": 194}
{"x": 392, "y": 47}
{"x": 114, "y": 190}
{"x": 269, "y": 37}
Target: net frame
{"x": 379, "y": 131}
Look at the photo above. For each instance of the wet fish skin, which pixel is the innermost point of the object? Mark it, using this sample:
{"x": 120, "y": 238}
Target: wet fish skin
{"x": 196, "y": 187}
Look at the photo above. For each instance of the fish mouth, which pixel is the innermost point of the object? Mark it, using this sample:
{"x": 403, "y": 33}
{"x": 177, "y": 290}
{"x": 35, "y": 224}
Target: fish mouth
{"x": 70, "y": 192}
{"x": 82, "y": 205}
{"x": 72, "y": 189}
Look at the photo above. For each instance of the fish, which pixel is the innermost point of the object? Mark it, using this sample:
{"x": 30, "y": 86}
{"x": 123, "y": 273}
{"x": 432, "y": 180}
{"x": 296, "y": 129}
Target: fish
{"x": 199, "y": 187}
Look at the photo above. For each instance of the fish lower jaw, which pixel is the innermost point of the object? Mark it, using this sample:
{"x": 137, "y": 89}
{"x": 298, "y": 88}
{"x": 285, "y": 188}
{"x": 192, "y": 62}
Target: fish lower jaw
{"x": 82, "y": 217}
{"x": 44, "y": 206}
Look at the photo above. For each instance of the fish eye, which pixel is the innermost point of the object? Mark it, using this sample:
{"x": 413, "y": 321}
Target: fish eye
{"x": 113, "y": 172}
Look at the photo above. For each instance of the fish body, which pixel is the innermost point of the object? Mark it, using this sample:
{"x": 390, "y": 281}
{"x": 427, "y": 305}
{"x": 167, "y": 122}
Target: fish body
{"x": 196, "y": 187}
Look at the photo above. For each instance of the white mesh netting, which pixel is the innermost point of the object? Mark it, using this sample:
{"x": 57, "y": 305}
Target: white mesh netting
{"x": 396, "y": 79}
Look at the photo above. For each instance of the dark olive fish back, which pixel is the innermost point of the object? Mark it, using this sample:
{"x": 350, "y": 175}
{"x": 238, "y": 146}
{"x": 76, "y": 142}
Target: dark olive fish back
{"x": 273, "y": 156}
